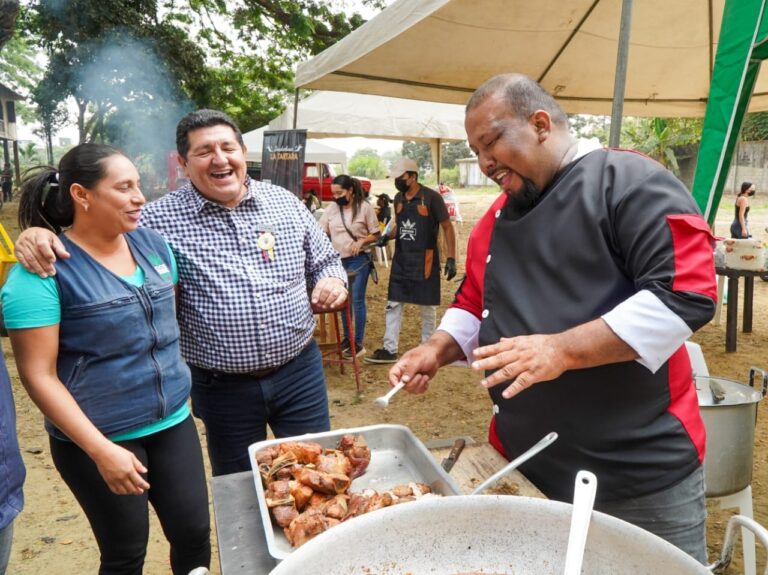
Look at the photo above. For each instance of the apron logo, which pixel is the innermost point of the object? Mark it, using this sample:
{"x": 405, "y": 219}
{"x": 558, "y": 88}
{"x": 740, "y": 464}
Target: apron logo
{"x": 408, "y": 230}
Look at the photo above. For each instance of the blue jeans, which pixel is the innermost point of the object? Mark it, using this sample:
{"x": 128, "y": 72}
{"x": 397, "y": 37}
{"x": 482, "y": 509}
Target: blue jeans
{"x": 677, "y": 514}
{"x": 6, "y": 538}
{"x": 237, "y": 407}
{"x": 361, "y": 265}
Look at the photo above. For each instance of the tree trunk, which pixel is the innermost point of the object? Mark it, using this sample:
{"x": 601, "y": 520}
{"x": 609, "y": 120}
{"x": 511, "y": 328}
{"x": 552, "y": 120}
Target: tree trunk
{"x": 9, "y": 9}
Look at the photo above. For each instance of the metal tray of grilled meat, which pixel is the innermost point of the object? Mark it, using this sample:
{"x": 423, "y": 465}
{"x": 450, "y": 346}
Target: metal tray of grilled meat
{"x": 397, "y": 458}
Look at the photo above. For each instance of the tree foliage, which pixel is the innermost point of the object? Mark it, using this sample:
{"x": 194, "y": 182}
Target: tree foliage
{"x": 451, "y": 152}
{"x": 366, "y": 162}
{"x": 133, "y": 67}
{"x": 661, "y": 138}
{"x": 755, "y": 127}
{"x": 420, "y": 153}
{"x": 114, "y": 56}
{"x": 18, "y": 68}
{"x": 588, "y": 126}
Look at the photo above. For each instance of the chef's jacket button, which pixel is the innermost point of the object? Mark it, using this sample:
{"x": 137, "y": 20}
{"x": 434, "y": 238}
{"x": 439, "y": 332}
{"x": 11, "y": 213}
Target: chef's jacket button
{"x": 485, "y": 313}
{"x": 488, "y": 259}
{"x": 498, "y": 213}
{"x": 495, "y": 409}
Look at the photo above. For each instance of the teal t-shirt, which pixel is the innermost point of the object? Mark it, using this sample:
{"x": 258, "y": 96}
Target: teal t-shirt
{"x": 30, "y": 301}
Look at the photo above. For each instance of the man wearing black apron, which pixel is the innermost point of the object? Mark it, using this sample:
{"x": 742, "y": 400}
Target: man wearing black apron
{"x": 415, "y": 275}
{"x": 583, "y": 281}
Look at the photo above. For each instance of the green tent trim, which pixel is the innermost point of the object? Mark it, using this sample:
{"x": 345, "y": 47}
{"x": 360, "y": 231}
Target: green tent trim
{"x": 743, "y": 45}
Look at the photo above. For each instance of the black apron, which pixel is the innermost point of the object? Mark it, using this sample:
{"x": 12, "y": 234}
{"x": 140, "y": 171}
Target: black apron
{"x": 415, "y": 275}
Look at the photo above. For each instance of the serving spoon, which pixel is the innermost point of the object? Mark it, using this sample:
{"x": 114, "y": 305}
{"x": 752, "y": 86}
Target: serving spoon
{"x": 545, "y": 441}
{"x": 383, "y": 401}
{"x": 583, "y": 501}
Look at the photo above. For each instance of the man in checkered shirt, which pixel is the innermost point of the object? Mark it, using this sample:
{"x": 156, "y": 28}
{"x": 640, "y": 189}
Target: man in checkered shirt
{"x": 247, "y": 254}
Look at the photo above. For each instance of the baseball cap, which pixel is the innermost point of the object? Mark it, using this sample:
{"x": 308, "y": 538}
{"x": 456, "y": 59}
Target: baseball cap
{"x": 401, "y": 166}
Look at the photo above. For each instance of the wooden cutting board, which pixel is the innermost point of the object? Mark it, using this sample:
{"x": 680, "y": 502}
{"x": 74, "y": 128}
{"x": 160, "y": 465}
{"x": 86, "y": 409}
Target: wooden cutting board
{"x": 479, "y": 461}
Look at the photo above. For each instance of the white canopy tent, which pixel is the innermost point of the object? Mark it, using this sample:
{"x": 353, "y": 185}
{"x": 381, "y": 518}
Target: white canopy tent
{"x": 441, "y": 50}
{"x": 315, "y": 151}
{"x": 339, "y": 114}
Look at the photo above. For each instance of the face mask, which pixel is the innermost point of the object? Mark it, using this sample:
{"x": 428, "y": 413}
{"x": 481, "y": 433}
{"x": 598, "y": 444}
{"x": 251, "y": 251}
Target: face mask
{"x": 751, "y": 193}
{"x": 342, "y": 201}
{"x": 401, "y": 185}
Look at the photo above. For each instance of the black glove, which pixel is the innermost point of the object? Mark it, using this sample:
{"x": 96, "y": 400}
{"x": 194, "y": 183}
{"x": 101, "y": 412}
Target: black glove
{"x": 450, "y": 268}
{"x": 382, "y": 241}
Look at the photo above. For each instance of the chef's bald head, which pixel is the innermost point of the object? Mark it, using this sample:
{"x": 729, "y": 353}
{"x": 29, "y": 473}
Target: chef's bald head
{"x": 523, "y": 96}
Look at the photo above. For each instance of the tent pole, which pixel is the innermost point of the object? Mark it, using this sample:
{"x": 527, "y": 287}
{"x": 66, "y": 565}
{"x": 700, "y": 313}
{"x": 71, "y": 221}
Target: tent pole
{"x": 295, "y": 107}
{"x": 620, "y": 79}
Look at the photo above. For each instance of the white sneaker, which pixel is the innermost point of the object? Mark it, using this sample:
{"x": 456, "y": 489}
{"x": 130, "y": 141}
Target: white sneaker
{"x": 200, "y": 571}
{"x": 347, "y": 353}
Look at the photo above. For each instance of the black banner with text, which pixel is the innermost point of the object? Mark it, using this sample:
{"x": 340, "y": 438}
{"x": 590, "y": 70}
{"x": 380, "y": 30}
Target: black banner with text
{"x": 282, "y": 159}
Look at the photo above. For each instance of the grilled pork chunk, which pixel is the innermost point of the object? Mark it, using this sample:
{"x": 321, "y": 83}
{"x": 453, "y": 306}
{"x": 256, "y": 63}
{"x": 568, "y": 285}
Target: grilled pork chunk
{"x": 357, "y": 451}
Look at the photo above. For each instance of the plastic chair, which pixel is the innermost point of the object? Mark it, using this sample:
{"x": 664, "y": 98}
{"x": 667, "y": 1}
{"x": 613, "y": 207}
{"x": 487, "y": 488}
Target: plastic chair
{"x": 382, "y": 252}
{"x": 381, "y": 255}
{"x": 741, "y": 500}
{"x": 698, "y": 363}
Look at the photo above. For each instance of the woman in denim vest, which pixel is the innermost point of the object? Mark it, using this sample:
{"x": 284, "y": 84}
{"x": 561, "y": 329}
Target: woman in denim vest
{"x": 97, "y": 348}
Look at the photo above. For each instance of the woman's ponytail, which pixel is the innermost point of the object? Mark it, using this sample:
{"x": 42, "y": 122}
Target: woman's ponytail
{"x": 43, "y": 203}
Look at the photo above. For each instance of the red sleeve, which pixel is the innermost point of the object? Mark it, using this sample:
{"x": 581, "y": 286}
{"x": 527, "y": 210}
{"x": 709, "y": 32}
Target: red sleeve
{"x": 469, "y": 296}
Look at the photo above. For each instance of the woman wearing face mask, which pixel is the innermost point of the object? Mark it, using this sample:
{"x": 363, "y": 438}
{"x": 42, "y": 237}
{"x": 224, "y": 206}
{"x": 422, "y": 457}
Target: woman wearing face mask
{"x": 351, "y": 224}
{"x": 740, "y": 227}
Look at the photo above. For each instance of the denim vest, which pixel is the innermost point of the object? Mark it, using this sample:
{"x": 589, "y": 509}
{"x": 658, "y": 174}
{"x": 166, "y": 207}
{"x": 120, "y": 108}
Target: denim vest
{"x": 119, "y": 344}
{"x": 12, "y": 470}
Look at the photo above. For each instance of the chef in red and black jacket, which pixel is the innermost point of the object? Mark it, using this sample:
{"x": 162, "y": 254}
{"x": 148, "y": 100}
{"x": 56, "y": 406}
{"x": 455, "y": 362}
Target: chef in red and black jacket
{"x": 584, "y": 279}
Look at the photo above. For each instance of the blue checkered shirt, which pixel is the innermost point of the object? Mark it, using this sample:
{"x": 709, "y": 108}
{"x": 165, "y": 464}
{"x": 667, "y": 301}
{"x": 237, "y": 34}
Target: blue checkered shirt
{"x": 239, "y": 310}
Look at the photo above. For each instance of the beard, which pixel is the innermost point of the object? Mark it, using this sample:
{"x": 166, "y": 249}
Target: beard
{"x": 526, "y": 197}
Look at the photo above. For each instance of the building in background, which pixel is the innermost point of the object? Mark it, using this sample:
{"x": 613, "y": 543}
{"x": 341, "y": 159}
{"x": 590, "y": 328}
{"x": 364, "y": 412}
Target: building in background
{"x": 8, "y": 128}
{"x": 470, "y": 175}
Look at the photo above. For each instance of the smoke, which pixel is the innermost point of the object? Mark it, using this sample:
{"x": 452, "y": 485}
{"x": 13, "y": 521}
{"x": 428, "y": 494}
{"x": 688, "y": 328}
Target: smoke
{"x": 136, "y": 103}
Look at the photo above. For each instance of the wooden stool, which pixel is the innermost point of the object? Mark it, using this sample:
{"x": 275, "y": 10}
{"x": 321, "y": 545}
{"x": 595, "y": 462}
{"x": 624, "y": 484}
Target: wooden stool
{"x": 329, "y": 336}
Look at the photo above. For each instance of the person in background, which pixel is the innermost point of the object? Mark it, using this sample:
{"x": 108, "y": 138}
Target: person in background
{"x": 311, "y": 201}
{"x": 97, "y": 348}
{"x": 740, "y": 225}
{"x": 415, "y": 275}
{"x": 584, "y": 279}
{"x": 13, "y": 472}
{"x": 7, "y": 183}
{"x": 249, "y": 255}
{"x": 452, "y": 205}
{"x": 383, "y": 211}
{"x": 351, "y": 224}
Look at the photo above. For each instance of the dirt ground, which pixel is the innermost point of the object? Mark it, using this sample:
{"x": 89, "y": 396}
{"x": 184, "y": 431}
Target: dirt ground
{"x": 52, "y": 534}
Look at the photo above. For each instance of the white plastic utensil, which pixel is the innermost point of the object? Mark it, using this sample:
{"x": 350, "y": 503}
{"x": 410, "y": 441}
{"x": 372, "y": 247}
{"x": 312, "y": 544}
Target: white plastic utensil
{"x": 383, "y": 401}
{"x": 545, "y": 441}
{"x": 583, "y": 501}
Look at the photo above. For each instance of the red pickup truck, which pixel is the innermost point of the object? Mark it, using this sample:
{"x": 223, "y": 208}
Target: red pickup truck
{"x": 318, "y": 178}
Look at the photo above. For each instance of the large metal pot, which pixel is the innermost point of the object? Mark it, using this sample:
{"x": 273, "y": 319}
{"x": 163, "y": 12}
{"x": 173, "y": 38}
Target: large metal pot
{"x": 490, "y": 534}
{"x": 729, "y": 411}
